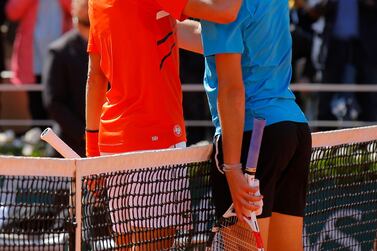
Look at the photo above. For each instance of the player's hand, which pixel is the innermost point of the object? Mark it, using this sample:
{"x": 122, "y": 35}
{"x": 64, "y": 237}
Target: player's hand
{"x": 95, "y": 188}
{"x": 243, "y": 195}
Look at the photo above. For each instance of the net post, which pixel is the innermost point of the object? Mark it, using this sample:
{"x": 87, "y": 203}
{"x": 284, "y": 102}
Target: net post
{"x": 78, "y": 210}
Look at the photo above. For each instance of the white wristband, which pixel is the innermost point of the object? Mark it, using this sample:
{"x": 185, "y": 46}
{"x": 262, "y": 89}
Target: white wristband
{"x": 231, "y": 167}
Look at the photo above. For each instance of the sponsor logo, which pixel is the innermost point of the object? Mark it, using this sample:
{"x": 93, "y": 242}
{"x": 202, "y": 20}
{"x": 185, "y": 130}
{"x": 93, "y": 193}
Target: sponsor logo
{"x": 161, "y": 14}
{"x": 177, "y": 130}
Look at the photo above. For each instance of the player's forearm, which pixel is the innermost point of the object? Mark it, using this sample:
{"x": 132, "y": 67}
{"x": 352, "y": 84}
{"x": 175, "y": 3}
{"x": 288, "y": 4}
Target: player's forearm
{"x": 231, "y": 110}
{"x": 95, "y": 93}
{"x": 188, "y": 34}
{"x": 219, "y": 11}
{"x": 231, "y": 106}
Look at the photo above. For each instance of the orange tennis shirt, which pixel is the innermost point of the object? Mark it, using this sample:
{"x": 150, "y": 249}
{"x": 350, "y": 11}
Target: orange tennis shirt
{"x": 139, "y": 56}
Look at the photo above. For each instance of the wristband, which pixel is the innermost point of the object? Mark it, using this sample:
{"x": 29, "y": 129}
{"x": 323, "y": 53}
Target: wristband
{"x": 92, "y": 149}
{"x": 89, "y": 130}
{"x": 232, "y": 167}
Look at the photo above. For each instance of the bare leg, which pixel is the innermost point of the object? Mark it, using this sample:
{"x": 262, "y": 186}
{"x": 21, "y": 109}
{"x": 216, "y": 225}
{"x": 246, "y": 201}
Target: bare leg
{"x": 147, "y": 240}
{"x": 123, "y": 239}
{"x": 160, "y": 239}
{"x": 285, "y": 231}
{"x": 264, "y": 226}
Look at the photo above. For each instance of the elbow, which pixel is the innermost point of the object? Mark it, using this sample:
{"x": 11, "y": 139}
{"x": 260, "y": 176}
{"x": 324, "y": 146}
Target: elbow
{"x": 229, "y": 11}
{"x": 228, "y": 18}
{"x": 231, "y": 15}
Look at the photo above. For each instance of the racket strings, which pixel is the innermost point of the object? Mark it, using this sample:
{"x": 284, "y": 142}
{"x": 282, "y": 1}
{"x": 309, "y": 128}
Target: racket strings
{"x": 235, "y": 237}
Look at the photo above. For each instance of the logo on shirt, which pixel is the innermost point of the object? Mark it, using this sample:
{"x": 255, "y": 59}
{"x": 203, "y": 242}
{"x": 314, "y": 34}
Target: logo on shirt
{"x": 177, "y": 130}
{"x": 161, "y": 14}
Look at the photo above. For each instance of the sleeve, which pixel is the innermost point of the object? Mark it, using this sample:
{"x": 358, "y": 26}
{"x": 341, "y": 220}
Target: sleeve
{"x": 174, "y": 7}
{"x": 222, "y": 38}
{"x": 92, "y": 46}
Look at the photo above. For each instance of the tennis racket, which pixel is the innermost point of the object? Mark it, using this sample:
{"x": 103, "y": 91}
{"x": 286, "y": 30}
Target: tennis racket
{"x": 59, "y": 145}
{"x": 230, "y": 233}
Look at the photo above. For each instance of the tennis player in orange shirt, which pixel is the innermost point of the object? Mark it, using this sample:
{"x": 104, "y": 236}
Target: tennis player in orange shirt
{"x": 134, "y": 99}
{"x": 133, "y": 48}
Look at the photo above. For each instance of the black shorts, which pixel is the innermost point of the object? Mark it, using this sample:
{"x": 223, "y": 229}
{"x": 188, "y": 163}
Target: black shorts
{"x": 283, "y": 168}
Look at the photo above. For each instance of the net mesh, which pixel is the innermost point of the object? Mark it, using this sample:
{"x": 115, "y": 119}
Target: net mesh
{"x": 341, "y": 210}
{"x": 163, "y": 200}
{"x": 149, "y": 209}
{"x": 36, "y": 213}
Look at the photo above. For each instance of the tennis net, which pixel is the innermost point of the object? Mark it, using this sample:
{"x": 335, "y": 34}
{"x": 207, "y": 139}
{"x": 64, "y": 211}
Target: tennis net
{"x": 341, "y": 210}
{"x": 163, "y": 199}
{"x": 36, "y": 205}
{"x": 148, "y": 201}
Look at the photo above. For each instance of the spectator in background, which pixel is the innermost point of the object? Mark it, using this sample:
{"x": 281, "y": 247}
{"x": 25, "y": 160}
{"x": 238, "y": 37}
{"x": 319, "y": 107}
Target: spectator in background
{"x": 302, "y": 20}
{"x": 303, "y": 70}
{"x": 305, "y": 30}
{"x": 40, "y": 23}
{"x": 2, "y": 20}
{"x": 64, "y": 76}
{"x": 350, "y": 49}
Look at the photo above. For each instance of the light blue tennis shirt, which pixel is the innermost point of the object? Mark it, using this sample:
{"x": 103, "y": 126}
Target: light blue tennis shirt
{"x": 261, "y": 34}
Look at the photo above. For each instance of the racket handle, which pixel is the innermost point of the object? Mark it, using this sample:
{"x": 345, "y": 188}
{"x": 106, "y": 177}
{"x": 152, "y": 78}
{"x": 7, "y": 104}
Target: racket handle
{"x": 255, "y": 183}
{"x": 59, "y": 145}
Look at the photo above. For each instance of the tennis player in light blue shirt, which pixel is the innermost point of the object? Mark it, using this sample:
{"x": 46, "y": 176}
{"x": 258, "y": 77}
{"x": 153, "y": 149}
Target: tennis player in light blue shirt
{"x": 265, "y": 44}
{"x": 247, "y": 76}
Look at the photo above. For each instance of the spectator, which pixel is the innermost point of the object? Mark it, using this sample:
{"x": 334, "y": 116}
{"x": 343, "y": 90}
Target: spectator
{"x": 40, "y": 22}
{"x": 64, "y": 76}
{"x": 302, "y": 38}
{"x": 350, "y": 40}
{"x": 2, "y": 19}
{"x": 305, "y": 47}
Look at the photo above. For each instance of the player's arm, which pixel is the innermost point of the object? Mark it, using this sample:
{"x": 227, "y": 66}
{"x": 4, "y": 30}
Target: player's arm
{"x": 189, "y": 36}
{"x": 231, "y": 107}
{"x": 96, "y": 87}
{"x": 219, "y": 11}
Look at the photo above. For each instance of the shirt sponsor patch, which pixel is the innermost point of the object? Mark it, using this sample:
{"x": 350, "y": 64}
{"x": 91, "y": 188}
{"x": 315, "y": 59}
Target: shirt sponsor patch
{"x": 177, "y": 130}
{"x": 161, "y": 14}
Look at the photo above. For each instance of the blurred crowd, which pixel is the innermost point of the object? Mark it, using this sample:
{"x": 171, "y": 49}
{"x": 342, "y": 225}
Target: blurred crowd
{"x": 44, "y": 42}
{"x": 337, "y": 41}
